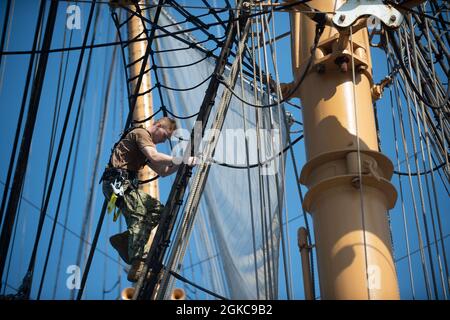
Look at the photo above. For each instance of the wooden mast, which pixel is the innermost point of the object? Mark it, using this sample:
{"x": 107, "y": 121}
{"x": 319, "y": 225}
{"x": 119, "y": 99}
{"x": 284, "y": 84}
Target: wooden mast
{"x": 143, "y": 107}
{"x": 144, "y": 104}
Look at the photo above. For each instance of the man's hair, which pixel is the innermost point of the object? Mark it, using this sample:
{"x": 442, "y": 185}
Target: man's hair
{"x": 167, "y": 123}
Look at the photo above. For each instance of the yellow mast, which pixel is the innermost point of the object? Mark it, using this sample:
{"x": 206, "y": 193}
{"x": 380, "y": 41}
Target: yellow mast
{"x": 143, "y": 108}
{"x": 351, "y": 228}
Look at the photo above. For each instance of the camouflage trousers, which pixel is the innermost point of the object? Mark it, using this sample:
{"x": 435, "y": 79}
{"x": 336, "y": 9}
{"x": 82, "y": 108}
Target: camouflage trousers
{"x": 141, "y": 213}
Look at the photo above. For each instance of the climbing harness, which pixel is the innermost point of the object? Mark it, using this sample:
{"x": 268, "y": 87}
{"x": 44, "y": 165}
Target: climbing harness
{"x": 123, "y": 179}
{"x": 117, "y": 187}
{"x": 120, "y": 176}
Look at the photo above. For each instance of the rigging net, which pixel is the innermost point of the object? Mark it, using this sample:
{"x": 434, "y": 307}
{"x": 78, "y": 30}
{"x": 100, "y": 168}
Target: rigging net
{"x": 224, "y": 226}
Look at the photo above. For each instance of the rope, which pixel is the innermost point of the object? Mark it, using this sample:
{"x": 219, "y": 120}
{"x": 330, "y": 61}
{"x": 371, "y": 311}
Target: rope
{"x": 438, "y": 12}
{"x": 417, "y": 173}
{"x": 5, "y": 27}
{"x": 8, "y": 38}
{"x": 420, "y": 173}
{"x": 191, "y": 45}
{"x": 128, "y": 122}
{"x": 197, "y": 17}
{"x": 195, "y": 21}
{"x": 115, "y": 19}
{"x": 261, "y": 164}
{"x": 358, "y": 145}
{"x": 149, "y": 118}
{"x": 157, "y": 85}
{"x": 188, "y": 64}
{"x": 424, "y": 164}
{"x": 418, "y": 250}
{"x": 247, "y": 158}
{"x": 438, "y": 214}
{"x": 214, "y": 13}
{"x": 55, "y": 121}
{"x": 149, "y": 180}
{"x": 267, "y": 208}
{"x": 293, "y": 105}
{"x": 23, "y": 157}
{"x": 184, "y": 89}
{"x": 258, "y": 142}
{"x": 22, "y": 110}
{"x": 280, "y": 8}
{"x": 90, "y": 202}
{"x": 421, "y": 192}
{"x": 14, "y": 240}
{"x": 408, "y": 75}
{"x": 401, "y": 7}
{"x": 140, "y": 94}
{"x": 155, "y": 72}
{"x": 216, "y": 9}
{"x": 405, "y": 225}
{"x": 144, "y": 58}
{"x": 45, "y": 205}
{"x": 284, "y": 234}
{"x": 399, "y": 105}
{"x": 181, "y": 278}
{"x": 402, "y": 130}
{"x": 156, "y": 253}
{"x": 180, "y": 117}
{"x": 112, "y": 288}
{"x": 199, "y": 181}
{"x": 64, "y": 227}
{"x": 63, "y": 184}
{"x": 319, "y": 31}
{"x": 69, "y": 201}
{"x": 91, "y": 252}
{"x": 440, "y": 142}
{"x": 319, "y": 17}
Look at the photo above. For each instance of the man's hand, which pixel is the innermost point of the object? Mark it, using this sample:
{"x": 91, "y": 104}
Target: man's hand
{"x": 192, "y": 161}
{"x": 286, "y": 89}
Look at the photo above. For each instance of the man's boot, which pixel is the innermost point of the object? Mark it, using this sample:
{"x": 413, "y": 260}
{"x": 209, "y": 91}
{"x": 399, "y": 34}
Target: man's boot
{"x": 136, "y": 269}
{"x": 120, "y": 243}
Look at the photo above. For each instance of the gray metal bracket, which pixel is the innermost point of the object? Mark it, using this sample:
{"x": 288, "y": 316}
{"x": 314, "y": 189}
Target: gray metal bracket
{"x": 352, "y": 10}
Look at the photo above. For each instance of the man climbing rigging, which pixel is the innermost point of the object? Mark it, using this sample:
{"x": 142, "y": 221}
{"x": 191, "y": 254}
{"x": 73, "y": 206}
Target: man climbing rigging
{"x": 135, "y": 149}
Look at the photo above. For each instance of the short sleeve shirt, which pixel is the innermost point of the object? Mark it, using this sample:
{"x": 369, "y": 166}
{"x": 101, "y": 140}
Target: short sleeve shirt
{"x": 128, "y": 153}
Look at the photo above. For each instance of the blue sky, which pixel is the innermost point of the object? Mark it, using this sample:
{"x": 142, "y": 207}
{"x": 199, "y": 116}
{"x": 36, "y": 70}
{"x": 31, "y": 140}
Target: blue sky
{"x": 104, "y": 272}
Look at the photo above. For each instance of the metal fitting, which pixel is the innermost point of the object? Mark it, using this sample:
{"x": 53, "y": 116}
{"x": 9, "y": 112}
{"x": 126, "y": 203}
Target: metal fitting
{"x": 320, "y": 68}
{"x": 361, "y": 68}
{"x": 342, "y": 62}
{"x": 356, "y": 183}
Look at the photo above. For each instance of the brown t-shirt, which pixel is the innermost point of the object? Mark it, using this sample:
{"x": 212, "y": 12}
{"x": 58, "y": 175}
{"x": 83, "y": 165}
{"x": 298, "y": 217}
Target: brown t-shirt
{"x": 128, "y": 154}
